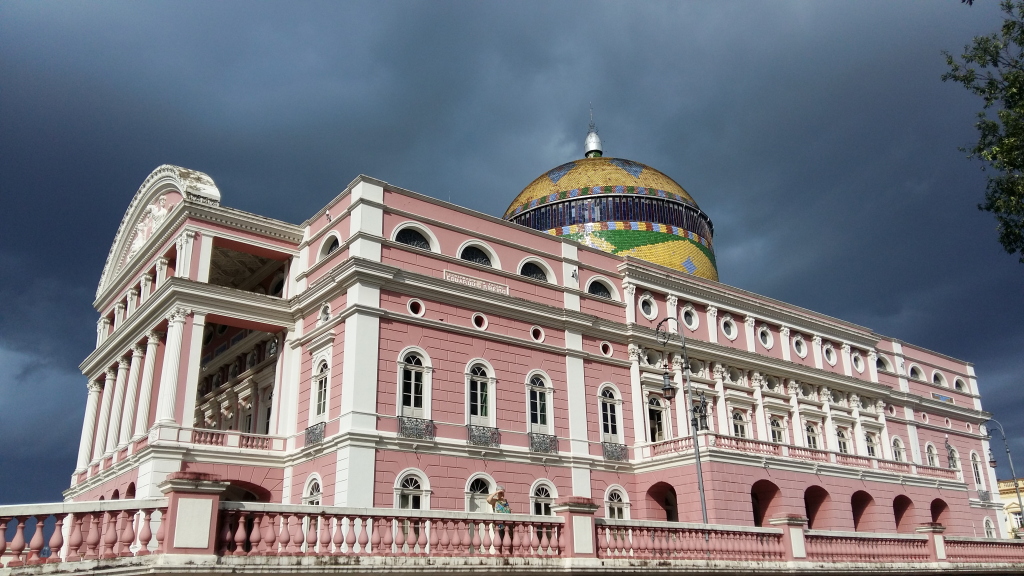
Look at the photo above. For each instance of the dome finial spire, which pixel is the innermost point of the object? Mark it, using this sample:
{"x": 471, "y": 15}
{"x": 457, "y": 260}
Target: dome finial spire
{"x": 592, "y": 145}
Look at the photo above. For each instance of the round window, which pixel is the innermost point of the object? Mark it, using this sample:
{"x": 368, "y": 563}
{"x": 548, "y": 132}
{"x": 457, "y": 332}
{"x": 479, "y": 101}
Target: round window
{"x": 830, "y": 355}
{"x": 480, "y": 321}
{"x": 766, "y": 337}
{"x": 800, "y": 347}
{"x": 647, "y": 307}
{"x": 416, "y": 308}
{"x": 729, "y": 328}
{"x": 606, "y": 348}
{"x": 537, "y": 333}
{"x": 858, "y": 363}
{"x": 690, "y": 318}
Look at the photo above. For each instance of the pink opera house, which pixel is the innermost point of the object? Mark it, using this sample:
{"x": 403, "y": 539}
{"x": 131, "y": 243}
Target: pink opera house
{"x": 344, "y": 393}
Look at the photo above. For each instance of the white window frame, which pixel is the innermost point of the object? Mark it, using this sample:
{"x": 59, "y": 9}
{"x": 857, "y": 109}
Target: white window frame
{"x": 727, "y": 319}
{"x": 816, "y": 436}
{"x": 739, "y": 425}
{"x": 764, "y": 329}
{"x": 828, "y": 350}
{"x": 323, "y": 314}
{"x": 546, "y": 389}
{"x": 899, "y": 451}
{"x": 485, "y": 248}
{"x": 870, "y": 445}
{"x": 490, "y": 418}
{"x": 427, "y": 371}
{"x": 549, "y": 500}
{"x": 332, "y": 235}
{"x": 976, "y": 469}
{"x": 314, "y": 392}
{"x": 552, "y": 279}
{"x": 427, "y": 233}
{"x": 491, "y": 485}
{"x": 647, "y": 297}
{"x": 931, "y": 455}
{"x": 801, "y": 352}
{"x": 781, "y": 429}
{"x": 310, "y": 498}
{"x": 615, "y": 406}
{"x": 990, "y": 528}
{"x": 662, "y": 409}
{"x": 607, "y": 284}
{"x": 608, "y": 503}
{"x": 688, "y": 307}
{"x": 843, "y": 441}
{"x": 423, "y": 492}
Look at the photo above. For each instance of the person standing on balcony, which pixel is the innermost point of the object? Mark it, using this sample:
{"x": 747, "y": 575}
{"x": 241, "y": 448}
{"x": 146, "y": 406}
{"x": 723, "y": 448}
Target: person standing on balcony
{"x": 499, "y": 506}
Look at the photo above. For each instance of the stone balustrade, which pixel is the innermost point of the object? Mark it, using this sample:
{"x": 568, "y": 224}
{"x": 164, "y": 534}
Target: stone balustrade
{"x": 972, "y": 550}
{"x": 81, "y": 531}
{"x": 859, "y": 547}
{"x": 249, "y": 529}
{"x": 677, "y": 541}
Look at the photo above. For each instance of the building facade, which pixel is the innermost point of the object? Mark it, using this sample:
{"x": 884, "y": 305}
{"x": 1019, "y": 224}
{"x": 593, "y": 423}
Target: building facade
{"x": 396, "y": 352}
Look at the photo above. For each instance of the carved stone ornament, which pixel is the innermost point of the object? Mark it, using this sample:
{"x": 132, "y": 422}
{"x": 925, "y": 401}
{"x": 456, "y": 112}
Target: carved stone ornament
{"x": 110, "y": 374}
{"x": 825, "y": 394}
{"x": 749, "y": 321}
{"x": 880, "y": 405}
{"x": 628, "y": 289}
{"x": 845, "y": 348}
{"x": 784, "y": 331}
{"x": 793, "y": 388}
{"x": 138, "y": 351}
{"x": 758, "y": 381}
{"x": 718, "y": 371}
{"x": 672, "y": 300}
{"x": 854, "y": 400}
{"x": 178, "y": 314}
{"x": 816, "y": 340}
{"x": 94, "y": 387}
{"x": 712, "y": 312}
{"x": 677, "y": 362}
{"x": 635, "y": 352}
{"x": 154, "y": 336}
{"x": 872, "y": 356}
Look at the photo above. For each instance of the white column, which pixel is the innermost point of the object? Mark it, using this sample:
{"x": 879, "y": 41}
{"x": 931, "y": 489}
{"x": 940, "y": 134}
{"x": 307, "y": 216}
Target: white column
{"x": 784, "y": 342}
{"x": 101, "y": 426}
{"x": 672, "y": 311}
{"x": 88, "y": 426}
{"x": 147, "y": 287}
{"x": 102, "y": 329}
{"x": 629, "y": 296}
{"x": 795, "y": 420}
{"x": 146, "y": 385}
{"x": 570, "y": 278}
{"x": 681, "y": 408}
{"x": 724, "y": 428}
{"x": 830, "y": 427}
{"x": 873, "y": 365}
{"x": 115, "y": 411}
{"x": 576, "y": 390}
{"x": 161, "y": 271}
{"x": 712, "y": 323}
{"x": 847, "y": 360}
{"x": 858, "y": 429}
{"x": 636, "y": 396}
{"x": 172, "y": 360}
{"x": 886, "y": 442}
{"x": 748, "y": 329}
{"x": 816, "y": 348}
{"x": 183, "y": 261}
{"x": 366, "y": 221}
{"x": 133, "y": 301}
{"x": 759, "y": 413}
{"x": 128, "y": 413}
{"x": 191, "y": 367}
{"x": 119, "y": 309}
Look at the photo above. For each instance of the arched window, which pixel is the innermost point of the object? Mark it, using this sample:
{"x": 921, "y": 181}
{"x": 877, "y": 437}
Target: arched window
{"x": 541, "y": 500}
{"x": 410, "y": 493}
{"x": 609, "y": 416}
{"x": 739, "y": 425}
{"x": 412, "y": 386}
{"x": 954, "y": 459}
{"x": 534, "y": 271}
{"x": 330, "y": 247}
{"x": 598, "y": 288}
{"x": 959, "y": 385}
{"x": 990, "y": 530}
{"x": 538, "y": 405}
{"x": 844, "y": 446}
{"x": 412, "y": 237}
{"x": 479, "y": 392}
{"x": 812, "y": 436}
{"x": 615, "y": 505}
{"x": 869, "y": 442}
{"x": 475, "y": 255}
{"x": 976, "y": 466}
{"x": 897, "y": 450}
{"x": 656, "y": 419}
{"x": 321, "y": 390}
{"x": 778, "y": 433}
{"x": 476, "y": 495}
{"x": 915, "y": 372}
{"x": 933, "y": 460}
{"x": 313, "y": 492}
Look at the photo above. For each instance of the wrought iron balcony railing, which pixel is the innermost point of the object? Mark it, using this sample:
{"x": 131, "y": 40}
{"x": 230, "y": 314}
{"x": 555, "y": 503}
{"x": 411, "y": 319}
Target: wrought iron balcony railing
{"x": 615, "y": 452}
{"x": 315, "y": 433}
{"x": 419, "y": 428}
{"x": 483, "y": 435}
{"x": 543, "y": 443}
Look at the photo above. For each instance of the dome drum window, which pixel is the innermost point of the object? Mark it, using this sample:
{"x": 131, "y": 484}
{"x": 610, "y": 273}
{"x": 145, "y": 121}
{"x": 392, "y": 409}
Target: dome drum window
{"x": 829, "y": 354}
{"x": 728, "y": 326}
{"x": 799, "y": 346}
{"x": 475, "y": 255}
{"x": 764, "y": 335}
{"x": 689, "y": 317}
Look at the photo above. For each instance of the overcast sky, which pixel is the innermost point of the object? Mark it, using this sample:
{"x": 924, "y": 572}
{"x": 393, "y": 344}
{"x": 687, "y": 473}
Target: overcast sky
{"x": 817, "y": 135}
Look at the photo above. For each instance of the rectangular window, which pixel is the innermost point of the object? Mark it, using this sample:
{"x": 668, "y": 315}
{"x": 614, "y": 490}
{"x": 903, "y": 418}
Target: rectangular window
{"x": 538, "y": 407}
{"x": 321, "y": 397}
{"x": 478, "y": 409}
{"x": 412, "y": 393}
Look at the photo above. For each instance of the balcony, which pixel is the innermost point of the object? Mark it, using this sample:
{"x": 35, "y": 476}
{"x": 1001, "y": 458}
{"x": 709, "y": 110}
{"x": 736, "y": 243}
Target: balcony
{"x": 234, "y": 439}
{"x": 615, "y": 452}
{"x": 711, "y": 441}
{"x": 483, "y": 436}
{"x": 543, "y": 443}
{"x": 416, "y": 428}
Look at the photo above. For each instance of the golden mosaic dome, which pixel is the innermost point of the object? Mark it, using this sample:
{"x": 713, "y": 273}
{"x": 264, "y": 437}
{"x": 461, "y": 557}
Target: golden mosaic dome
{"x": 622, "y": 207}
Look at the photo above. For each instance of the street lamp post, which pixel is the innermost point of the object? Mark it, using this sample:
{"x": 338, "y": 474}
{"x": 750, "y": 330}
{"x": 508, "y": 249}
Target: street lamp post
{"x": 695, "y": 419}
{"x": 1013, "y": 473}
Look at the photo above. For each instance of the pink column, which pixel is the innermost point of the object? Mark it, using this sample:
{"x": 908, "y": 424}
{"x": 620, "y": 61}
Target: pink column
{"x": 577, "y": 533}
{"x": 793, "y": 527}
{"x": 936, "y": 541}
{"x": 192, "y": 498}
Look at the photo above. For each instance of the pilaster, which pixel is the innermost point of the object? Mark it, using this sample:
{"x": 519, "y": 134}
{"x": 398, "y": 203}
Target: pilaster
{"x": 712, "y": 323}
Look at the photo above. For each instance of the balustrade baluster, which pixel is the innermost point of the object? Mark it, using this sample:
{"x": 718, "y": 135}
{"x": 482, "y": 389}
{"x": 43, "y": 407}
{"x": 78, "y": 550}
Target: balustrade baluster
{"x": 464, "y": 530}
{"x": 375, "y": 535}
{"x": 506, "y": 541}
{"x": 3, "y": 539}
{"x": 109, "y": 537}
{"x": 35, "y": 546}
{"x": 325, "y": 535}
{"x": 74, "y": 538}
{"x": 269, "y": 545}
{"x": 128, "y": 533}
{"x": 402, "y": 527}
{"x": 476, "y": 542}
{"x": 284, "y": 536}
{"x": 145, "y": 532}
{"x": 517, "y": 541}
{"x": 350, "y": 536}
{"x": 602, "y": 541}
{"x": 338, "y": 537}
{"x": 311, "y": 528}
{"x": 386, "y": 537}
{"x": 239, "y": 536}
{"x": 161, "y": 531}
{"x": 485, "y": 538}
{"x": 295, "y": 535}
{"x": 18, "y": 544}
{"x": 435, "y": 538}
{"x": 224, "y": 534}
{"x": 256, "y": 534}
{"x": 444, "y": 541}
{"x": 363, "y": 536}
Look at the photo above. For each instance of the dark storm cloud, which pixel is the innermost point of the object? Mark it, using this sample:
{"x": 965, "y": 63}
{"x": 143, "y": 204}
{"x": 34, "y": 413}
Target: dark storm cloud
{"x": 817, "y": 136}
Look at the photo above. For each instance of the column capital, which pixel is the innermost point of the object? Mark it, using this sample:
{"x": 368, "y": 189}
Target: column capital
{"x": 628, "y": 289}
{"x": 154, "y": 336}
{"x": 178, "y": 314}
{"x": 94, "y": 387}
{"x": 784, "y": 331}
{"x": 750, "y": 320}
{"x": 845, "y": 348}
{"x": 138, "y": 351}
{"x": 816, "y": 340}
{"x": 110, "y": 373}
{"x": 123, "y": 363}
{"x": 672, "y": 300}
{"x": 712, "y": 312}
{"x": 163, "y": 261}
